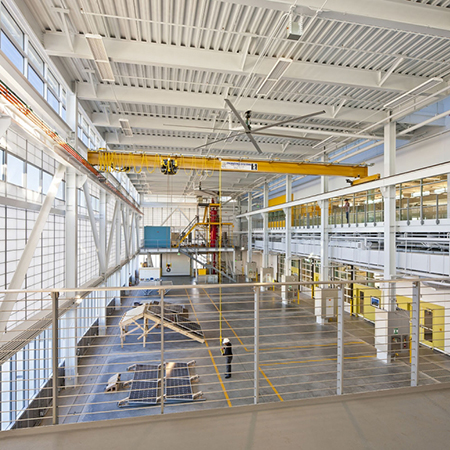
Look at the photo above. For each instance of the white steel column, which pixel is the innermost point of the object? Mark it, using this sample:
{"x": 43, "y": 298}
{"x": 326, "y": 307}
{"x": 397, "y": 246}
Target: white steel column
{"x": 69, "y": 336}
{"x": 265, "y": 263}
{"x": 138, "y": 240}
{"x": 95, "y": 234}
{"x": 324, "y": 253}
{"x": 118, "y": 255}
{"x": 126, "y": 234}
{"x": 133, "y": 233}
{"x": 103, "y": 227}
{"x": 288, "y": 224}
{"x": 249, "y": 230}
{"x": 103, "y": 224}
{"x": 18, "y": 278}
{"x": 388, "y": 302}
{"x": 112, "y": 232}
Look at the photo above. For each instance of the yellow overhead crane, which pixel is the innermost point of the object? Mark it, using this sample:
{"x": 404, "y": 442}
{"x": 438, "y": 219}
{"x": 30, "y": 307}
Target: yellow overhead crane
{"x": 125, "y": 162}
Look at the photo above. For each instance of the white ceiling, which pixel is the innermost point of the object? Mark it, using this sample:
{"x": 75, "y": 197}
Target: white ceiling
{"x": 175, "y": 61}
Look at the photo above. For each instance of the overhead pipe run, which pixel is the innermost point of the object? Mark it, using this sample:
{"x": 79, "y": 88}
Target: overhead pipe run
{"x": 75, "y": 158}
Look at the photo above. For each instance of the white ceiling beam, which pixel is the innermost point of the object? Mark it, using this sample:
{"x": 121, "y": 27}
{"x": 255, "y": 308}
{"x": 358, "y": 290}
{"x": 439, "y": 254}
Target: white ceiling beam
{"x": 190, "y": 143}
{"x": 404, "y": 16}
{"x": 146, "y": 96}
{"x": 152, "y": 54}
{"x": 207, "y": 127}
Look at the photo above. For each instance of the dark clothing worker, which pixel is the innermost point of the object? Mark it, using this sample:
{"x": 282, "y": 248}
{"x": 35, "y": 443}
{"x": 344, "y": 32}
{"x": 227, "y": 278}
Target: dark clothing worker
{"x": 227, "y": 351}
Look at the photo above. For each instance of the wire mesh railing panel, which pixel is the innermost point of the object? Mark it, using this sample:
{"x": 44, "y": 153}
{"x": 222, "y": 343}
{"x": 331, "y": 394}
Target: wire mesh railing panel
{"x": 113, "y": 353}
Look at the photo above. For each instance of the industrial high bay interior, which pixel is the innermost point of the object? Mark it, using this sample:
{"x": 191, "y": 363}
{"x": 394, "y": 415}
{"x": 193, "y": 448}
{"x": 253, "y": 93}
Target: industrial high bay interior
{"x": 272, "y": 173}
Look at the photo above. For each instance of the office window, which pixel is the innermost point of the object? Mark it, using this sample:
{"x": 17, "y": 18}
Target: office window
{"x": 10, "y": 25}
{"x": 35, "y": 59}
{"x": 15, "y": 170}
{"x": 33, "y": 178}
{"x": 53, "y": 83}
{"x": 35, "y": 80}
{"x": 52, "y": 101}
{"x": 11, "y": 51}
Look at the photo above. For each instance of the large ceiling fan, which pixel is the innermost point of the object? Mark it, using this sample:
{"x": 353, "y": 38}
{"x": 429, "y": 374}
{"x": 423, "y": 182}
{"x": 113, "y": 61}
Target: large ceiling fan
{"x": 249, "y": 131}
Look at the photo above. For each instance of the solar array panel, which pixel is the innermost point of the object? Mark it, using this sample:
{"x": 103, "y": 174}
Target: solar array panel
{"x": 178, "y": 387}
{"x": 144, "y": 387}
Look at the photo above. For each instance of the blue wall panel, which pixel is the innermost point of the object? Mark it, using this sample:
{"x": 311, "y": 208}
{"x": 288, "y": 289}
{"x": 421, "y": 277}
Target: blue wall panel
{"x": 157, "y": 237}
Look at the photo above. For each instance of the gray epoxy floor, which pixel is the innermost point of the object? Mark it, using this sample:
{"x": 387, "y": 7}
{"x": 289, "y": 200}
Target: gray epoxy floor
{"x": 297, "y": 357}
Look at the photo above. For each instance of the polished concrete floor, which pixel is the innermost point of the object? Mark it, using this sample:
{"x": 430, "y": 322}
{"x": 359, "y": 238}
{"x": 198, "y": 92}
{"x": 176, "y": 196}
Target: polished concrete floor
{"x": 400, "y": 419}
{"x": 297, "y": 356}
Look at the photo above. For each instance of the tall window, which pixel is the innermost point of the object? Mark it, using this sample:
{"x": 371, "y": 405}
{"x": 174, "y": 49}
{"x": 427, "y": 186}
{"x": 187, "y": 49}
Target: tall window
{"x": 35, "y": 70}
{"x": 15, "y": 170}
{"x": 12, "y": 39}
{"x": 33, "y": 178}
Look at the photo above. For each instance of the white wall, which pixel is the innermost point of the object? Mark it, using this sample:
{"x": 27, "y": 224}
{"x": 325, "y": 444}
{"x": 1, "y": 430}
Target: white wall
{"x": 181, "y": 264}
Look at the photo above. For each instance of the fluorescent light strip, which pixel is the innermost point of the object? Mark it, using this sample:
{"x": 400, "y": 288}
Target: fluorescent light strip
{"x": 414, "y": 91}
{"x": 126, "y": 128}
{"x": 274, "y": 75}
{"x": 95, "y": 42}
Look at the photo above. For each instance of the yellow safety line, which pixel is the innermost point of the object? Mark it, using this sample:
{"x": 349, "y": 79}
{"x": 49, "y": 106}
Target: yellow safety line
{"x": 211, "y": 356}
{"x": 317, "y": 360}
{"x": 271, "y": 385}
{"x": 231, "y": 328}
{"x": 234, "y": 332}
{"x": 309, "y": 346}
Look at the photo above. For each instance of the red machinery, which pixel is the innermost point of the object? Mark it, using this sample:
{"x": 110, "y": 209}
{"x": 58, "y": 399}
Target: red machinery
{"x": 214, "y": 228}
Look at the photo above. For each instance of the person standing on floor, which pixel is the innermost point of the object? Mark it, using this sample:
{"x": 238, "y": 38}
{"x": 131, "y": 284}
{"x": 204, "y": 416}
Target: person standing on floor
{"x": 347, "y": 210}
{"x": 227, "y": 351}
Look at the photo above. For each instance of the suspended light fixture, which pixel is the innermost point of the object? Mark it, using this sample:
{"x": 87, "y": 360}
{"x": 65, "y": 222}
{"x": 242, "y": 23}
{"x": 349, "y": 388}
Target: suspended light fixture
{"x": 274, "y": 76}
{"x": 95, "y": 42}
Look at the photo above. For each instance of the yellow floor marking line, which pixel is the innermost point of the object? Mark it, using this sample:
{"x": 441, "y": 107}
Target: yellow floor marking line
{"x": 317, "y": 360}
{"x": 211, "y": 355}
{"x": 232, "y": 329}
{"x": 271, "y": 385}
{"x": 308, "y": 346}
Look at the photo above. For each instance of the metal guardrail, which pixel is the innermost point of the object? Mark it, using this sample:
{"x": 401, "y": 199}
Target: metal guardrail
{"x": 67, "y": 358}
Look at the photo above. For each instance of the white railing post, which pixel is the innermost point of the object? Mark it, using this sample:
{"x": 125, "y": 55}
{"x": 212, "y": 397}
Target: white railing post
{"x": 415, "y": 330}
{"x": 256, "y": 349}
{"x": 55, "y": 347}
{"x": 161, "y": 304}
{"x": 340, "y": 341}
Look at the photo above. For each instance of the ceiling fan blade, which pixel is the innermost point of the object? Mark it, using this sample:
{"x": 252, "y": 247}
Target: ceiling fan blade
{"x": 287, "y": 136}
{"x": 246, "y": 127}
{"x": 238, "y": 117}
{"x": 255, "y": 144}
{"x": 220, "y": 140}
{"x": 256, "y": 130}
{"x": 265, "y": 127}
